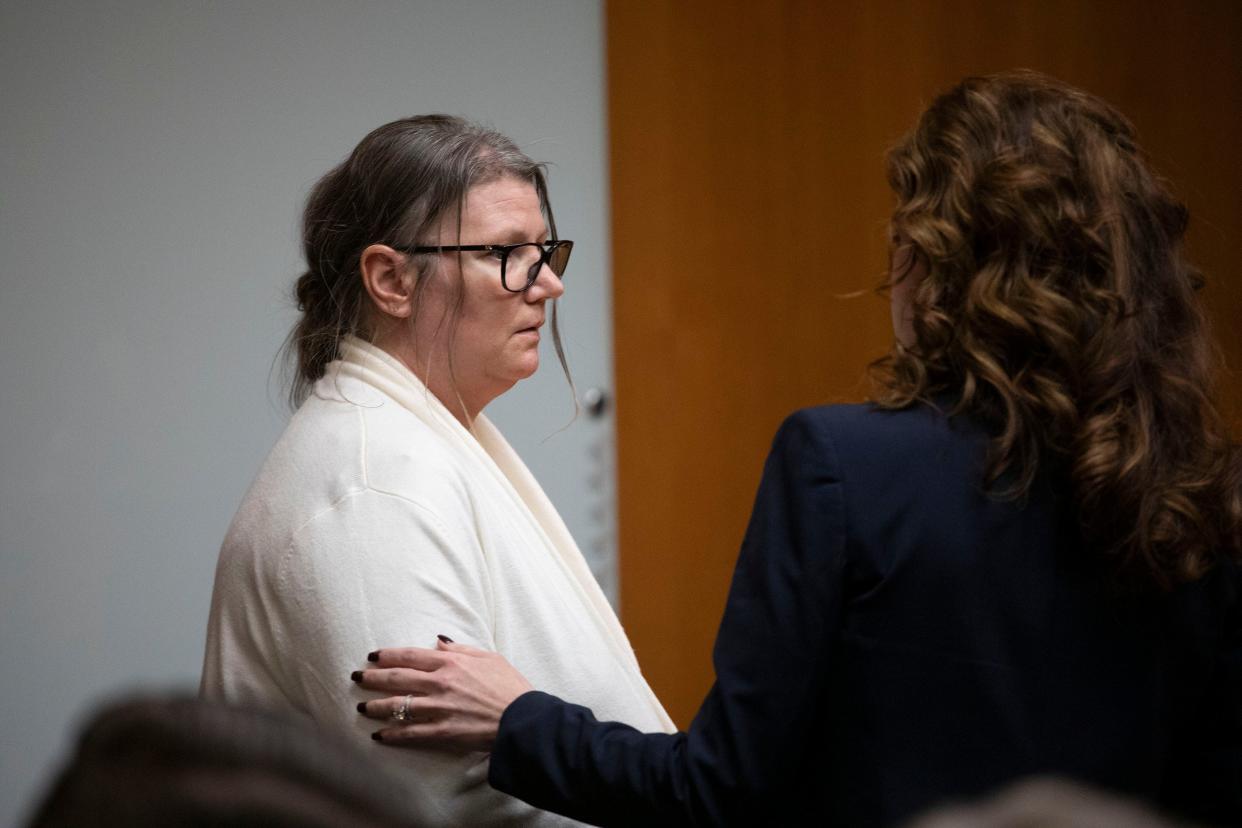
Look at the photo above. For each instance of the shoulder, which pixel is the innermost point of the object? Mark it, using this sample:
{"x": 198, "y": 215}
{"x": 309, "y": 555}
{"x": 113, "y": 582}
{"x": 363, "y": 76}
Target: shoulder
{"x": 399, "y": 452}
{"x": 315, "y": 462}
{"x": 336, "y": 462}
{"x": 866, "y": 423}
{"x": 868, "y": 420}
{"x": 372, "y": 533}
{"x": 864, "y": 441}
{"x": 406, "y": 457}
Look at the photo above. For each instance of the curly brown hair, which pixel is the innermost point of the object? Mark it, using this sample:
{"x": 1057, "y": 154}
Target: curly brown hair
{"x": 1058, "y": 310}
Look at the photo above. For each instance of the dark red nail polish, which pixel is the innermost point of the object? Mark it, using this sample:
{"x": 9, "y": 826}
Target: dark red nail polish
{"x": 377, "y": 737}
{"x": 356, "y": 675}
{"x": 362, "y": 707}
{"x": 445, "y": 639}
{"x": 373, "y": 656}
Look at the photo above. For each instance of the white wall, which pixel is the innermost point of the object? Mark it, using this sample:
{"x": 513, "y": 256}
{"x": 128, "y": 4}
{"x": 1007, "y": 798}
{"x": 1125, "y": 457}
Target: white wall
{"x": 154, "y": 157}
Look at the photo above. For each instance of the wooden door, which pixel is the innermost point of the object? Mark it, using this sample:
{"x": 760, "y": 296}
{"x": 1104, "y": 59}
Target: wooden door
{"x": 749, "y": 205}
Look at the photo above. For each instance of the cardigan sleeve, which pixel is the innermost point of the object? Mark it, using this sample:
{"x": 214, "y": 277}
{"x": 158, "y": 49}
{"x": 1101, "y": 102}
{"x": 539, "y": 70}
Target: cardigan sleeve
{"x": 378, "y": 570}
{"x": 771, "y": 657}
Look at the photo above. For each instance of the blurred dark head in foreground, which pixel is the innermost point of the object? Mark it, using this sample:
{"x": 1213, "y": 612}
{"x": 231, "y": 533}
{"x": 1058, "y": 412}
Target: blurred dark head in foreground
{"x": 185, "y": 761}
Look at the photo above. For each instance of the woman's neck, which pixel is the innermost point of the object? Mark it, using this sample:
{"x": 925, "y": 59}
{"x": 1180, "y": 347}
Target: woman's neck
{"x": 434, "y": 372}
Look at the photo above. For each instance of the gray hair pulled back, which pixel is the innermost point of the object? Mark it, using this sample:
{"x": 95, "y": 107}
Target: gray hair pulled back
{"x": 394, "y": 188}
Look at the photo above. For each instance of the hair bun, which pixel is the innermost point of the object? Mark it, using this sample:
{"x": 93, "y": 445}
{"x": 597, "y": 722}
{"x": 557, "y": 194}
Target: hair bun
{"x": 308, "y": 289}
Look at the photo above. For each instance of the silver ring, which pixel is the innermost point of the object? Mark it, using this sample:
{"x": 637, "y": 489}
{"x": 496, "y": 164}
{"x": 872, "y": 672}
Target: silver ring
{"x": 403, "y": 712}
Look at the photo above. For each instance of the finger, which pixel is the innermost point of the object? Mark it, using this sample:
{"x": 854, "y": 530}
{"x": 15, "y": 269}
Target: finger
{"x": 395, "y": 681}
{"x": 415, "y": 658}
{"x": 425, "y": 734}
{"x": 451, "y": 646}
{"x": 412, "y": 707}
{"x": 409, "y": 733}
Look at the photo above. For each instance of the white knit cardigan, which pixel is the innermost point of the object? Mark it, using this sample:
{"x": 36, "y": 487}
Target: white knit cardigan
{"x": 378, "y": 520}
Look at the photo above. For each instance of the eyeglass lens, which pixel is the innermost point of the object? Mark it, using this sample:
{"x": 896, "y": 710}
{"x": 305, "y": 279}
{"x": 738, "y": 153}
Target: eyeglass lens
{"x": 528, "y": 258}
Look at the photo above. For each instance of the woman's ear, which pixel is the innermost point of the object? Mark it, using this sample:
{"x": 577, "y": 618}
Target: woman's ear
{"x": 388, "y": 280}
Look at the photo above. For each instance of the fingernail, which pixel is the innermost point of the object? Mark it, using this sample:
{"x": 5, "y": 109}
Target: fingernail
{"x": 356, "y": 675}
{"x": 362, "y": 707}
{"x": 445, "y": 639}
{"x": 377, "y": 737}
{"x": 373, "y": 656}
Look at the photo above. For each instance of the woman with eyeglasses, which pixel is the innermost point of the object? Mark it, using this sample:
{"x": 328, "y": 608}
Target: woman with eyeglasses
{"x": 390, "y": 509}
{"x": 1021, "y": 559}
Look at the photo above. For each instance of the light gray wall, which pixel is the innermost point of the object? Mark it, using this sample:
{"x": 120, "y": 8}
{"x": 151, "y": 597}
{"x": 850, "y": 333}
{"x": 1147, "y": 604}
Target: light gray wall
{"x": 154, "y": 157}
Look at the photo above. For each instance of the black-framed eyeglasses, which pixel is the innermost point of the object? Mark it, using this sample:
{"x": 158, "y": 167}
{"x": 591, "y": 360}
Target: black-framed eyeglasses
{"x": 527, "y": 259}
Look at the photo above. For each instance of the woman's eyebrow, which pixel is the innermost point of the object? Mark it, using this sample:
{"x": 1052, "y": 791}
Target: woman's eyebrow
{"x": 518, "y": 235}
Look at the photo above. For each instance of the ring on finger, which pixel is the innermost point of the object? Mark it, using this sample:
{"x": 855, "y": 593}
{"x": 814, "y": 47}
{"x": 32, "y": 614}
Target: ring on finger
{"x": 403, "y": 712}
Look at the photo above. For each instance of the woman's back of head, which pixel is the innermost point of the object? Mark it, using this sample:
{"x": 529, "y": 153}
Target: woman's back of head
{"x": 1058, "y": 308}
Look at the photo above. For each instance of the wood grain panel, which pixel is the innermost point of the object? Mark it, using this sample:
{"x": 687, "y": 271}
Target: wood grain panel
{"x": 749, "y": 205}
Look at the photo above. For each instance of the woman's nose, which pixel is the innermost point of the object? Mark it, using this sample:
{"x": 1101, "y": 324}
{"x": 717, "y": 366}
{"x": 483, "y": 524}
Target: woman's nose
{"x": 547, "y": 285}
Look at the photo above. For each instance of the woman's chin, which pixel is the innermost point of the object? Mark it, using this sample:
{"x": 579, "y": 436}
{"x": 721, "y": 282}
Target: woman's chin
{"x": 526, "y": 367}
{"x": 516, "y": 372}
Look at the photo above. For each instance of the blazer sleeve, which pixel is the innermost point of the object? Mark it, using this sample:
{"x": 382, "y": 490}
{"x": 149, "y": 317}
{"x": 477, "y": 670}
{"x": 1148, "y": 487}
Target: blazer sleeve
{"x": 1206, "y": 766}
{"x": 772, "y": 656}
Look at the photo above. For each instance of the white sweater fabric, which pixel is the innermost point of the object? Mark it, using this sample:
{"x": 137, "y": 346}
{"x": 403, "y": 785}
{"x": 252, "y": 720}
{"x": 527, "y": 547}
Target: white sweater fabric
{"x": 378, "y": 520}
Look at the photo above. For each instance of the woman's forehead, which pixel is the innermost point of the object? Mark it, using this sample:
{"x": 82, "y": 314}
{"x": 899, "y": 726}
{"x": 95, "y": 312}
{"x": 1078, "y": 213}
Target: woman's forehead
{"x": 503, "y": 199}
{"x": 501, "y": 211}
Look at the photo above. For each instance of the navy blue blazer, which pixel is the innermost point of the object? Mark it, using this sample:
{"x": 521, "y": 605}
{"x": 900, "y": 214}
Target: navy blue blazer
{"x": 895, "y": 637}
